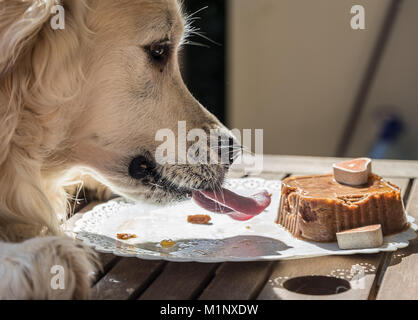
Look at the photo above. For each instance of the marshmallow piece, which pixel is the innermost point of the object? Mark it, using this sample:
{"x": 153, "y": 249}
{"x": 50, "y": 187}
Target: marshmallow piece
{"x": 361, "y": 238}
{"x": 353, "y": 172}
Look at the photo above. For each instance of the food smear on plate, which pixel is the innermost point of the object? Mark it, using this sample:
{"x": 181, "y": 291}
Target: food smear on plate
{"x": 167, "y": 243}
{"x": 198, "y": 219}
{"x": 234, "y": 205}
{"x": 126, "y": 236}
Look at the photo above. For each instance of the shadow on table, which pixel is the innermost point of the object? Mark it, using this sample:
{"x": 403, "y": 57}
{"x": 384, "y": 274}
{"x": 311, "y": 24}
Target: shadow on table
{"x": 397, "y": 256}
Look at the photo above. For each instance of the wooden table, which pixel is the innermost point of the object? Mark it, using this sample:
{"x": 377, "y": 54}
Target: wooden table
{"x": 383, "y": 276}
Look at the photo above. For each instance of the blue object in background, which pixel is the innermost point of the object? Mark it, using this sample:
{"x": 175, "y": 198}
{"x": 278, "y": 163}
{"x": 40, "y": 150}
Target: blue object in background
{"x": 386, "y": 145}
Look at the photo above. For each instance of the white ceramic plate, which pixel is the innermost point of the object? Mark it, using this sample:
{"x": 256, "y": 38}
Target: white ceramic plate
{"x": 223, "y": 240}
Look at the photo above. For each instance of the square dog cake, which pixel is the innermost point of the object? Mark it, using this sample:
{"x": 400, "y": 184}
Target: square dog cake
{"x": 317, "y": 207}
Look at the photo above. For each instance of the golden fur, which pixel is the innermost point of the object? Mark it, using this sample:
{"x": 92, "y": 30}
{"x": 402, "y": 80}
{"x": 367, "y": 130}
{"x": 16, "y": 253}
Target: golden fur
{"x": 86, "y": 99}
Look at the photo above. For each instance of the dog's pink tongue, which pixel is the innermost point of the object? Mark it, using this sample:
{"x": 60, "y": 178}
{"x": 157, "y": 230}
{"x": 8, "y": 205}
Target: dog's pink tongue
{"x": 236, "y": 206}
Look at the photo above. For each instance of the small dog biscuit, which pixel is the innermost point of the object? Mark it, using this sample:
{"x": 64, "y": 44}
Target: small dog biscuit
{"x": 361, "y": 238}
{"x": 354, "y": 172}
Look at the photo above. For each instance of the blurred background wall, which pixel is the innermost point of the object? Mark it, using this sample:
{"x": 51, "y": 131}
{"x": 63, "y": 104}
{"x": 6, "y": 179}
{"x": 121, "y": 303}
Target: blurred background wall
{"x": 296, "y": 69}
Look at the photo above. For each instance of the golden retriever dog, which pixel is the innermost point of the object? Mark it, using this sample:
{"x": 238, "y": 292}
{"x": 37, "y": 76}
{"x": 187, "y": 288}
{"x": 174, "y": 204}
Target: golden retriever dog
{"x": 87, "y": 98}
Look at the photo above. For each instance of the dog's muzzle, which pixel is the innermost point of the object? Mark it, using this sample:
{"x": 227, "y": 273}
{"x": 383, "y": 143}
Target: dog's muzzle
{"x": 144, "y": 165}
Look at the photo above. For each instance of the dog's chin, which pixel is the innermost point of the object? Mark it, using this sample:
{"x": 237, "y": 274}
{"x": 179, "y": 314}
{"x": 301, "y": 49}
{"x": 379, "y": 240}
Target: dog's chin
{"x": 158, "y": 195}
{"x": 174, "y": 183}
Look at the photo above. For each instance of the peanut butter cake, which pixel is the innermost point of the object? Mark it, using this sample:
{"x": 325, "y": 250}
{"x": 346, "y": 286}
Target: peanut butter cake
{"x": 317, "y": 207}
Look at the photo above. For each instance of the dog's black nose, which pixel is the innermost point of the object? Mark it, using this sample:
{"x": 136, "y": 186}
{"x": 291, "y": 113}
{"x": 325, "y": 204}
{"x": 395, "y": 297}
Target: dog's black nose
{"x": 140, "y": 167}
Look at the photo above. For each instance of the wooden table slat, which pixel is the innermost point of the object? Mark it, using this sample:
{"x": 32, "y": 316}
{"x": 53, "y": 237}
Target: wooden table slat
{"x": 107, "y": 261}
{"x": 334, "y": 266}
{"x": 400, "y": 280}
{"x": 401, "y": 183}
{"x": 269, "y": 175}
{"x": 180, "y": 281}
{"x": 317, "y": 165}
{"x": 127, "y": 279}
{"x": 237, "y": 281}
{"x": 235, "y": 174}
{"x": 264, "y": 175}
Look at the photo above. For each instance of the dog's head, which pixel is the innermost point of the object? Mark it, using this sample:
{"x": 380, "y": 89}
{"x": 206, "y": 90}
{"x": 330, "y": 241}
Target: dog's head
{"x": 106, "y": 93}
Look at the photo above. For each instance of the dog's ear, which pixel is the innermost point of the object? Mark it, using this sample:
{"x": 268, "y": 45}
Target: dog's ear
{"x": 20, "y": 22}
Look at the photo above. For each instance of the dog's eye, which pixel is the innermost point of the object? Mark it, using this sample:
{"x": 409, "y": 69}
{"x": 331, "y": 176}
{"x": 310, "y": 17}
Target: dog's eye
{"x": 159, "y": 52}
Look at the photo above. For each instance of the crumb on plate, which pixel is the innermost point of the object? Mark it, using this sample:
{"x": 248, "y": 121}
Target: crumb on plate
{"x": 167, "y": 243}
{"x": 199, "y": 219}
{"x": 125, "y": 236}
